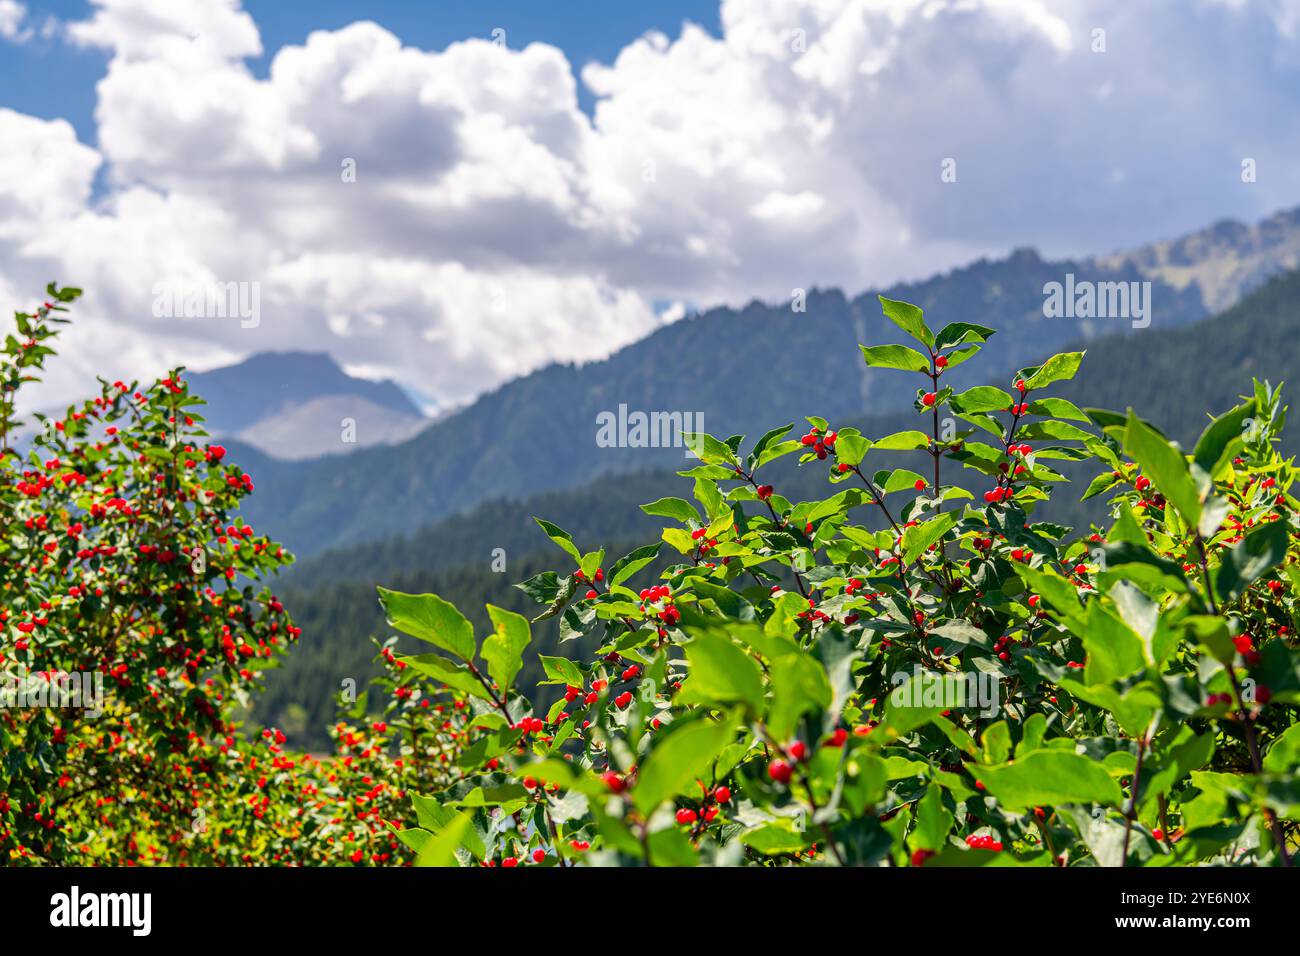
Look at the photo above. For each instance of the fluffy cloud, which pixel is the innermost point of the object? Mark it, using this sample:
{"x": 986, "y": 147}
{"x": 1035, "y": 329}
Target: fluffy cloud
{"x": 12, "y": 15}
{"x": 453, "y": 218}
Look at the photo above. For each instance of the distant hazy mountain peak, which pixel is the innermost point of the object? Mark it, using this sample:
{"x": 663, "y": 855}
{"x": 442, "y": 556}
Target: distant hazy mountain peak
{"x": 1224, "y": 262}
{"x": 302, "y": 404}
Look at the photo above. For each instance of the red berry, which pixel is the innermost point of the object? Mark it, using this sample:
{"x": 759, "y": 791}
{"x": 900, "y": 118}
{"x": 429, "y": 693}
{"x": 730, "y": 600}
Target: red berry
{"x": 798, "y": 750}
{"x": 780, "y": 771}
{"x": 928, "y": 399}
{"x": 722, "y": 794}
{"x": 685, "y": 816}
{"x": 539, "y": 855}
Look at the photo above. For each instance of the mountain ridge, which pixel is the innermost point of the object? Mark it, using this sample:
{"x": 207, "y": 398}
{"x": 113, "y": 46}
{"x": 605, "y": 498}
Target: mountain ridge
{"x": 301, "y": 405}
{"x": 537, "y": 433}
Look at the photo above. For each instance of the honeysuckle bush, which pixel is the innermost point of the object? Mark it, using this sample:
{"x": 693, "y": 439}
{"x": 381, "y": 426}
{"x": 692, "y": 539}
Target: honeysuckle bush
{"x": 135, "y": 628}
{"x": 131, "y": 624}
{"x": 789, "y": 690}
{"x": 785, "y": 692}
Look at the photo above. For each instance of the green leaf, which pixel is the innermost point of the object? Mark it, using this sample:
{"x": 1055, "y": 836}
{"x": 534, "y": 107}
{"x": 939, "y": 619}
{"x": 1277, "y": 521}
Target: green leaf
{"x": 630, "y": 564}
{"x": 679, "y": 539}
{"x": 440, "y": 849}
{"x": 1250, "y": 559}
{"x": 1284, "y": 754}
{"x": 561, "y": 670}
{"x": 933, "y": 820}
{"x": 895, "y": 356}
{"x": 1127, "y": 560}
{"x": 563, "y": 593}
{"x": 903, "y": 441}
{"x": 771, "y": 438}
{"x": 851, "y": 449}
{"x": 1114, "y": 650}
{"x": 997, "y": 742}
{"x": 1058, "y": 368}
{"x": 1056, "y": 590}
{"x": 721, "y": 672}
{"x": 456, "y": 676}
{"x": 1057, "y": 408}
{"x": 1049, "y": 777}
{"x": 708, "y": 449}
{"x": 1165, "y": 466}
{"x": 773, "y": 452}
{"x": 560, "y": 537}
{"x": 1102, "y": 483}
{"x": 960, "y": 333}
{"x": 503, "y": 649}
{"x": 684, "y": 755}
{"x": 1220, "y": 434}
{"x": 909, "y": 318}
{"x": 981, "y": 398}
{"x": 918, "y": 538}
{"x": 900, "y": 480}
{"x": 431, "y": 619}
{"x": 590, "y": 562}
{"x": 1057, "y": 431}
{"x": 676, "y": 508}
{"x": 1031, "y": 735}
{"x": 799, "y": 686}
{"x": 776, "y": 837}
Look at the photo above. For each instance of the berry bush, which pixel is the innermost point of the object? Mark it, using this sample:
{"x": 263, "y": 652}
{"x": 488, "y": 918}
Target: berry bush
{"x": 905, "y": 672}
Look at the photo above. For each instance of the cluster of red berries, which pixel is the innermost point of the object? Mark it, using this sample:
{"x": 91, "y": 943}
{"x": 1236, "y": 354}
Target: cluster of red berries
{"x": 669, "y": 613}
{"x": 597, "y": 577}
{"x": 572, "y": 693}
{"x": 983, "y": 842}
{"x": 705, "y": 546}
{"x": 998, "y": 495}
{"x": 782, "y": 770}
{"x": 812, "y": 614}
{"x": 822, "y": 445}
{"x": 686, "y": 816}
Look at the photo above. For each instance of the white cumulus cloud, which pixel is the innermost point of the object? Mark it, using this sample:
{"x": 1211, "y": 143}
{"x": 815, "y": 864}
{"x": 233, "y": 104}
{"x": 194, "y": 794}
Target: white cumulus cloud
{"x": 12, "y": 15}
{"x": 453, "y": 218}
